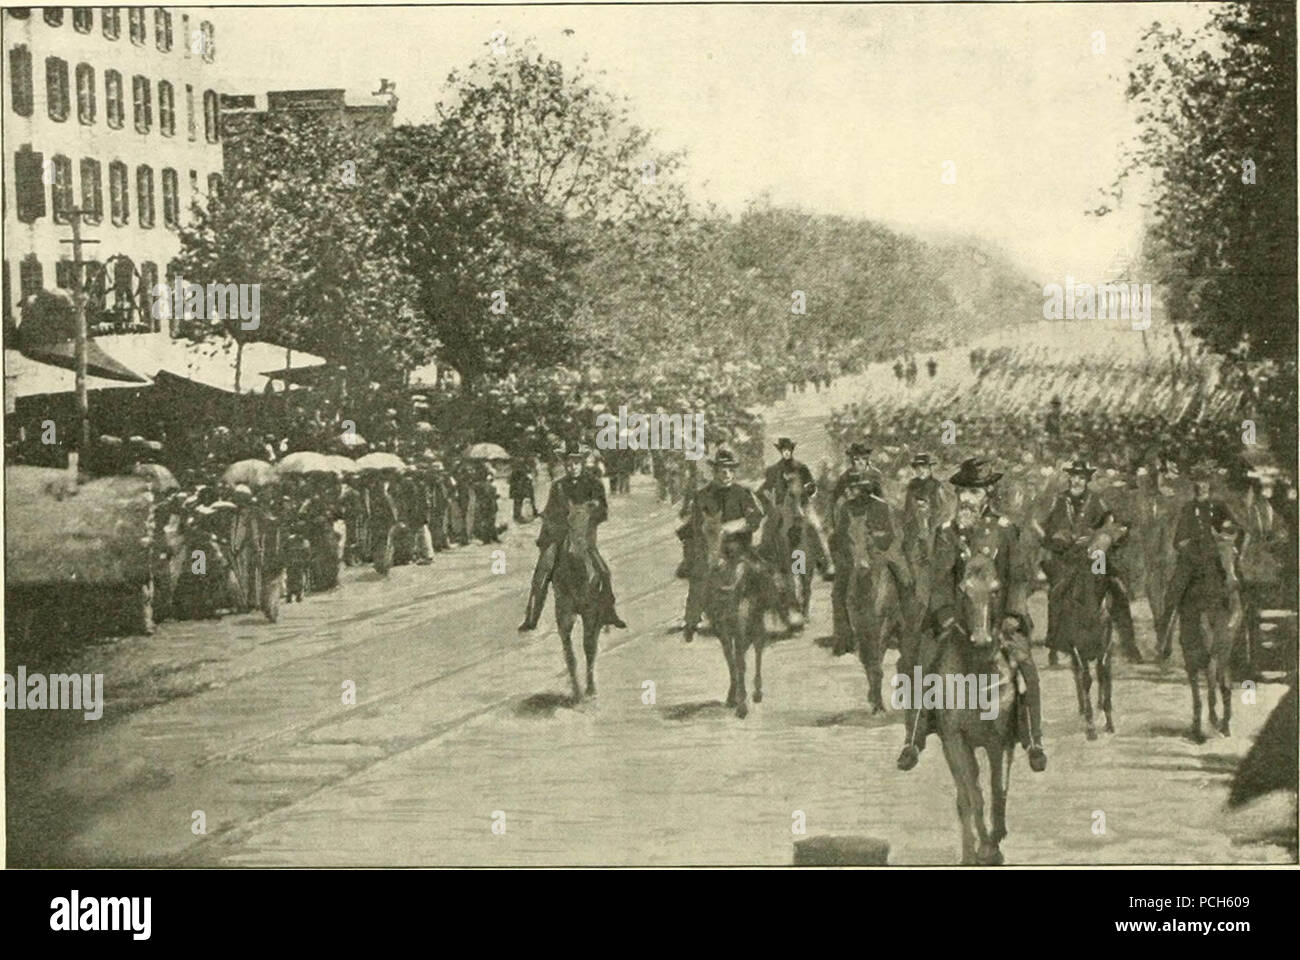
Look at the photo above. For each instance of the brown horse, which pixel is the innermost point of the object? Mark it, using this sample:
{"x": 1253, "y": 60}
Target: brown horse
{"x": 1221, "y": 625}
{"x": 1085, "y": 624}
{"x": 734, "y": 589}
{"x": 878, "y": 607}
{"x": 577, "y": 582}
{"x": 963, "y": 731}
{"x": 787, "y": 529}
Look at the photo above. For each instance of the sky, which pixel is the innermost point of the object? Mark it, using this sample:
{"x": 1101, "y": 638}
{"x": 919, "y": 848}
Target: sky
{"x": 1025, "y": 100}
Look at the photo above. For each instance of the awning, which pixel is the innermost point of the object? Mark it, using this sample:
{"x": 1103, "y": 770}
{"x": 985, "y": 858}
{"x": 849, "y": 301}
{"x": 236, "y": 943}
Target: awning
{"x": 25, "y": 377}
{"x": 63, "y": 353}
{"x": 209, "y": 363}
{"x": 304, "y": 376}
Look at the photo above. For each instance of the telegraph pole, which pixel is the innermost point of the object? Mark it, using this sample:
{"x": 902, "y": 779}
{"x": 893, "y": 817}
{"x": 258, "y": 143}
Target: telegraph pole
{"x": 79, "y": 301}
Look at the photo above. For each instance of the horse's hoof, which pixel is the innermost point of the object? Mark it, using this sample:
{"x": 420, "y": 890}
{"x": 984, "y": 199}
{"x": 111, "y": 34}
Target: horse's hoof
{"x": 1224, "y": 729}
{"x": 758, "y": 696}
{"x": 730, "y": 702}
{"x": 1110, "y": 727}
{"x": 1092, "y": 732}
{"x": 1197, "y": 735}
{"x": 992, "y": 857}
{"x": 742, "y": 710}
{"x": 591, "y": 690}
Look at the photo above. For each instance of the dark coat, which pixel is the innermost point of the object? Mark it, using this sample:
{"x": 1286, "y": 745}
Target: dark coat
{"x": 993, "y": 535}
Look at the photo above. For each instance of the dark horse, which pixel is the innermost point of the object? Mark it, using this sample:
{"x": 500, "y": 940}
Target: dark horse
{"x": 1085, "y": 625}
{"x": 787, "y": 529}
{"x": 876, "y": 604}
{"x": 735, "y": 587}
{"x": 964, "y": 731}
{"x": 577, "y": 582}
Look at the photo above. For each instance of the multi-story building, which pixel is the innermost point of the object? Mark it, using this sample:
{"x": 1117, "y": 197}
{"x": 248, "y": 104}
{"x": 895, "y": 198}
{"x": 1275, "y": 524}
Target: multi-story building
{"x": 116, "y": 111}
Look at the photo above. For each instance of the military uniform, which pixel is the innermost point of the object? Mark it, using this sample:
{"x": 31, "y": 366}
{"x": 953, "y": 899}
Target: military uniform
{"x": 839, "y": 493}
{"x": 887, "y": 540}
{"x": 731, "y": 502}
{"x": 1199, "y": 582}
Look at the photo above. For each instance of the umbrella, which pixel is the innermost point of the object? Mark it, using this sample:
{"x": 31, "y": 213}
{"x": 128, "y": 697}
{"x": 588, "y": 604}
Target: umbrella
{"x": 380, "y": 461}
{"x": 424, "y": 426}
{"x": 486, "y": 451}
{"x": 159, "y": 477}
{"x": 341, "y": 464}
{"x": 63, "y": 353}
{"x": 350, "y": 439}
{"x": 255, "y": 473}
{"x": 303, "y": 462}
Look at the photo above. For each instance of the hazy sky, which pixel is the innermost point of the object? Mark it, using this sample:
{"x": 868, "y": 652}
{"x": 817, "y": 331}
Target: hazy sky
{"x": 861, "y": 124}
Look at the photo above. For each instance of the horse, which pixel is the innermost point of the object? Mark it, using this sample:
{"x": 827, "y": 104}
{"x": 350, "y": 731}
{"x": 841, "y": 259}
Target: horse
{"x": 734, "y": 587}
{"x": 578, "y": 588}
{"x": 1221, "y": 625}
{"x": 878, "y": 609}
{"x": 1085, "y": 627}
{"x": 963, "y": 731}
{"x": 787, "y": 529}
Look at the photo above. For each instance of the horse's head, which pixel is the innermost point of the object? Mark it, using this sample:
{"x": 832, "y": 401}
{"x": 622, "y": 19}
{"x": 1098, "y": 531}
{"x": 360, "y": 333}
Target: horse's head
{"x": 860, "y": 541}
{"x": 979, "y": 584}
{"x": 579, "y": 529}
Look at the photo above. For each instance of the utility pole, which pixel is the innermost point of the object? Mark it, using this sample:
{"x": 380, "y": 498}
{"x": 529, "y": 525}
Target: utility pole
{"x": 79, "y": 301}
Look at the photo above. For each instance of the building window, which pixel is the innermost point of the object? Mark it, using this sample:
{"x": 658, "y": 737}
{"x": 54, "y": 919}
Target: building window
{"x": 114, "y": 109}
{"x": 85, "y": 93}
{"x": 143, "y": 103}
{"x": 61, "y": 199}
{"x": 135, "y": 19}
{"x": 83, "y": 19}
{"x": 111, "y": 18}
{"x": 31, "y": 278}
{"x": 166, "y": 109}
{"x": 144, "y": 196}
{"x": 56, "y": 88}
{"x": 214, "y": 186}
{"x": 20, "y": 80}
{"x": 189, "y": 112}
{"x": 162, "y": 29}
{"x": 29, "y": 184}
{"x": 171, "y": 198}
{"x": 63, "y": 274}
{"x": 211, "y": 116}
{"x": 54, "y": 16}
{"x": 20, "y": 13}
{"x": 92, "y": 190}
{"x": 119, "y": 193}
{"x": 206, "y": 42}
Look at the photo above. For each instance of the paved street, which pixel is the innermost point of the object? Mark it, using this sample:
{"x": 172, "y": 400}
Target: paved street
{"x": 460, "y": 723}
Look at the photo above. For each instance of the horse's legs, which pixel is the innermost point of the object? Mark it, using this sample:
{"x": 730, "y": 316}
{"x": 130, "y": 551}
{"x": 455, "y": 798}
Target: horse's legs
{"x": 1104, "y": 683}
{"x": 1076, "y": 665}
{"x": 590, "y": 641}
{"x": 871, "y": 653}
{"x": 1225, "y": 693}
{"x": 1193, "y": 680}
{"x": 725, "y": 640}
{"x": 756, "y": 639}
{"x": 999, "y": 759}
{"x": 738, "y": 657}
{"x": 965, "y": 773}
{"x": 564, "y": 619}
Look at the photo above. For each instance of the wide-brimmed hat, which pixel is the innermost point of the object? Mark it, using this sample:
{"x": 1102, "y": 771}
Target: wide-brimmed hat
{"x": 1079, "y": 468}
{"x": 724, "y": 458}
{"x": 784, "y": 443}
{"x": 974, "y": 472}
{"x": 859, "y": 449}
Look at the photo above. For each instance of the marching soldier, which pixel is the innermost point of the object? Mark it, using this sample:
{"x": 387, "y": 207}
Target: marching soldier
{"x": 1075, "y": 514}
{"x": 737, "y": 506}
{"x": 576, "y": 486}
{"x": 976, "y": 528}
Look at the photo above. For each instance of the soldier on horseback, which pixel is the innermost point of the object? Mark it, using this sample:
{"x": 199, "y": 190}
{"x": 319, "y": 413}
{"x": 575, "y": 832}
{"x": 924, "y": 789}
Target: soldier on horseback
{"x": 859, "y": 467}
{"x": 576, "y": 486}
{"x": 976, "y": 529}
{"x": 741, "y": 514}
{"x": 785, "y": 473}
{"x": 1070, "y": 525}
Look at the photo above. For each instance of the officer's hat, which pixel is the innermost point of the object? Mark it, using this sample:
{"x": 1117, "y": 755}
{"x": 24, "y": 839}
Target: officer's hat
{"x": 574, "y": 451}
{"x": 859, "y": 449}
{"x": 1080, "y": 468}
{"x": 784, "y": 443}
{"x": 724, "y": 458}
{"x": 922, "y": 460}
{"x": 974, "y": 472}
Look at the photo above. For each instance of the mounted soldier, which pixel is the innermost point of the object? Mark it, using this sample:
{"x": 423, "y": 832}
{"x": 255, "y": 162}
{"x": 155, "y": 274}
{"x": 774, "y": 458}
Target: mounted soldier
{"x": 741, "y": 514}
{"x": 923, "y": 512}
{"x": 577, "y": 486}
{"x": 859, "y": 468}
{"x": 779, "y": 478}
{"x": 976, "y": 530}
{"x": 1075, "y": 516}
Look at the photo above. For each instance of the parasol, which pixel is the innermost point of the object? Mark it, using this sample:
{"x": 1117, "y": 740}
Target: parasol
{"x": 350, "y": 439}
{"x": 159, "y": 477}
{"x": 486, "y": 451}
{"x": 342, "y": 465}
{"x": 380, "y": 461}
{"x": 255, "y": 473}
{"x": 304, "y": 461}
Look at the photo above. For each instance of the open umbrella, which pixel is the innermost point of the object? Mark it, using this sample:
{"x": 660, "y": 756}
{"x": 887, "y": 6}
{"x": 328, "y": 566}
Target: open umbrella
{"x": 486, "y": 451}
{"x": 350, "y": 439}
{"x": 380, "y": 461}
{"x": 255, "y": 473}
{"x": 343, "y": 465}
{"x": 304, "y": 461}
{"x": 159, "y": 477}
